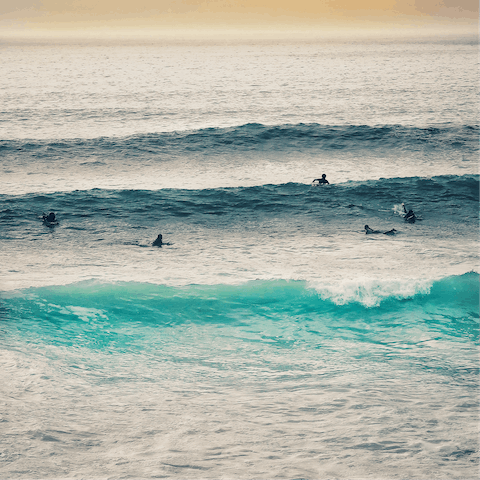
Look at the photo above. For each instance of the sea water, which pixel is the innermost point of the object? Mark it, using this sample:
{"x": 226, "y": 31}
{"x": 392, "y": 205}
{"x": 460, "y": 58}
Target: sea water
{"x": 269, "y": 336}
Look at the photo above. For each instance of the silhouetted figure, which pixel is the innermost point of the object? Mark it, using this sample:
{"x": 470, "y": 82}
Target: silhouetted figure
{"x": 50, "y": 220}
{"x": 409, "y": 216}
{"x": 158, "y": 241}
{"x": 371, "y": 230}
{"x": 321, "y": 181}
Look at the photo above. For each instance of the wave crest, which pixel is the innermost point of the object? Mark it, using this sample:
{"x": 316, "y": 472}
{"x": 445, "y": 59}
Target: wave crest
{"x": 291, "y": 294}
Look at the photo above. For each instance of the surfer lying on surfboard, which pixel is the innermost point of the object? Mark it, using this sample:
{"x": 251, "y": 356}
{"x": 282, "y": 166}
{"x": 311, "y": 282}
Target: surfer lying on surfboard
{"x": 370, "y": 230}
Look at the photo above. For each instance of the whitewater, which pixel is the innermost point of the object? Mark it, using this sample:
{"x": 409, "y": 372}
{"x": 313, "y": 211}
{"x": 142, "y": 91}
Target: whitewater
{"x": 269, "y": 336}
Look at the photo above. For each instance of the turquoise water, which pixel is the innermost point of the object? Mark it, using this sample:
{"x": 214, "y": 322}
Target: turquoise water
{"x": 276, "y": 313}
{"x": 219, "y": 372}
{"x": 269, "y": 336}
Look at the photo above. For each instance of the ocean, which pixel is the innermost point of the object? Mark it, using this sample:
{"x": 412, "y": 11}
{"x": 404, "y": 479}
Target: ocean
{"x": 269, "y": 336}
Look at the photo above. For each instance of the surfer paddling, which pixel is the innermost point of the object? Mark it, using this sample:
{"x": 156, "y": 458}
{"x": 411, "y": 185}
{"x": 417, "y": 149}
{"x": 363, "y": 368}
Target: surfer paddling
{"x": 321, "y": 181}
{"x": 371, "y": 230}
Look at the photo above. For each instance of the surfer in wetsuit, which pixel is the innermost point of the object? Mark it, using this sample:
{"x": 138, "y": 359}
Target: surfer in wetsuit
{"x": 49, "y": 218}
{"x": 322, "y": 181}
{"x": 371, "y": 230}
{"x": 409, "y": 216}
{"x": 158, "y": 241}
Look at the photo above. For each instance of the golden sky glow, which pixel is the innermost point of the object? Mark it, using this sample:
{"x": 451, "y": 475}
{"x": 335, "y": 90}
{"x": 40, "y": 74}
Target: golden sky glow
{"x": 171, "y": 14}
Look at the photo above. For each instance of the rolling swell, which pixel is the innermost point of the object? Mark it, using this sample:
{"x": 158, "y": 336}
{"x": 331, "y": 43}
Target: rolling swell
{"x": 443, "y": 194}
{"x": 256, "y": 137}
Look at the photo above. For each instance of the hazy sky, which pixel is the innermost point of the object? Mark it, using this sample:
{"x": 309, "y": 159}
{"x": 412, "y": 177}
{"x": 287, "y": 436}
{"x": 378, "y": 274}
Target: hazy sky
{"x": 171, "y": 14}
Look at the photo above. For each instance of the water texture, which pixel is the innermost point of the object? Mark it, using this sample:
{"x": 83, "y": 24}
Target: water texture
{"x": 269, "y": 336}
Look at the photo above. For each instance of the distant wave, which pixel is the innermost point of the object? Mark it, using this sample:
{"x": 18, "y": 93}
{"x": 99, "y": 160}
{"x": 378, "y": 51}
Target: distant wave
{"x": 257, "y": 137}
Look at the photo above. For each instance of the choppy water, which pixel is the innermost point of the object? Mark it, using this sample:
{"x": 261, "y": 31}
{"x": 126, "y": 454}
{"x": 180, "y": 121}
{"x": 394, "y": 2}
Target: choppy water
{"x": 269, "y": 337}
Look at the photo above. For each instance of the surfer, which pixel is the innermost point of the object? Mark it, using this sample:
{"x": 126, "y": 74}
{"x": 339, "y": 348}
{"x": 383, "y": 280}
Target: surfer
{"x": 321, "y": 181}
{"x": 409, "y": 216}
{"x": 49, "y": 220}
{"x": 371, "y": 230}
{"x": 158, "y": 241}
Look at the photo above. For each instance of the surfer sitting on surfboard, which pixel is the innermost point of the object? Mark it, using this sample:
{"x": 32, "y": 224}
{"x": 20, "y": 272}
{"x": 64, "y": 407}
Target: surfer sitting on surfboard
{"x": 409, "y": 216}
{"x": 158, "y": 241}
{"x": 50, "y": 219}
{"x": 321, "y": 181}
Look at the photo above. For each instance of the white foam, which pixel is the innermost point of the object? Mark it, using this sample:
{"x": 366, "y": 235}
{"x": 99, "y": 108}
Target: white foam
{"x": 371, "y": 291}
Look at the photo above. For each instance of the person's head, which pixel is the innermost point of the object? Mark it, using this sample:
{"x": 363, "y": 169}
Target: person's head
{"x": 367, "y": 227}
{"x": 51, "y": 217}
{"x": 159, "y": 237}
{"x": 323, "y": 175}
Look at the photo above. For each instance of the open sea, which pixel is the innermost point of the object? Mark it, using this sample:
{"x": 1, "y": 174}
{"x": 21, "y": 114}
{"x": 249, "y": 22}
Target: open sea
{"x": 269, "y": 336}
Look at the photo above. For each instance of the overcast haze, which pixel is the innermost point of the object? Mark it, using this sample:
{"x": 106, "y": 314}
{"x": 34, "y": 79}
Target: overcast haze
{"x": 274, "y": 17}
